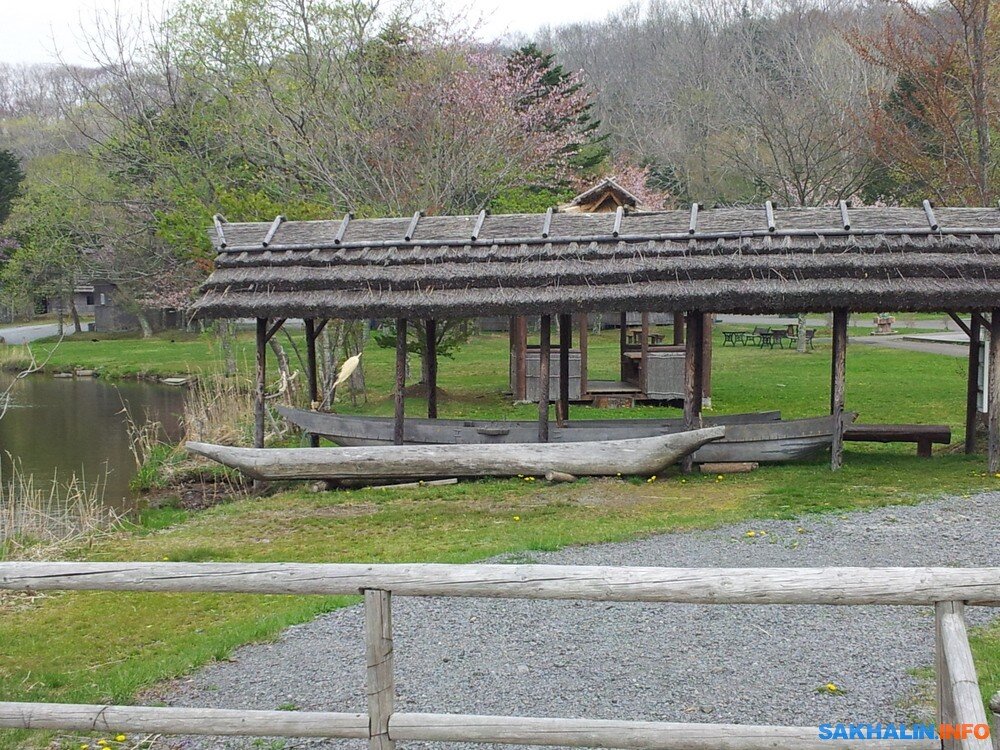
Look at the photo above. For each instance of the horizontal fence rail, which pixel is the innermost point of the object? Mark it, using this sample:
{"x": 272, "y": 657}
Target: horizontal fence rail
{"x": 947, "y": 589}
{"x": 834, "y": 586}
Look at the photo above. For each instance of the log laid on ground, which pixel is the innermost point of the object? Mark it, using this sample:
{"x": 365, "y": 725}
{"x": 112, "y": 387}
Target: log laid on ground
{"x": 730, "y": 467}
{"x": 834, "y": 586}
{"x": 642, "y": 456}
{"x": 415, "y": 485}
{"x": 640, "y": 735}
{"x": 199, "y": 721}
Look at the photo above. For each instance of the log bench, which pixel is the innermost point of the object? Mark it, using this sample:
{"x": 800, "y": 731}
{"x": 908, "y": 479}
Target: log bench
{"x": 921, "y": 434}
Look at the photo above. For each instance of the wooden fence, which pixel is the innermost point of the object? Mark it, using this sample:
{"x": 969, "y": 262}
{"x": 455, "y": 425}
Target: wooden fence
{"x": 948, "y": 590}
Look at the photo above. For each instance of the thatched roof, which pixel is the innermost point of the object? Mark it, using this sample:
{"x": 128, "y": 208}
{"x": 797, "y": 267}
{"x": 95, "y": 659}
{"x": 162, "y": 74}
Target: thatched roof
{"x": 719, "y": 260}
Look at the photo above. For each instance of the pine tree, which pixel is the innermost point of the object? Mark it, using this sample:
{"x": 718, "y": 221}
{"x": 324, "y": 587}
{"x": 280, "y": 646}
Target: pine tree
{"x": 11, "y": 177}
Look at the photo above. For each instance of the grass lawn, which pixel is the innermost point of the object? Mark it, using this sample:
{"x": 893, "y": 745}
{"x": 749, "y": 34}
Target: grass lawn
{"x": 94, "y": 647}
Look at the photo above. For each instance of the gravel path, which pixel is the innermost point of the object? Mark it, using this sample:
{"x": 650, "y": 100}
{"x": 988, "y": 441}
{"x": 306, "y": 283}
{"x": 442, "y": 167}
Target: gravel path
{"x": 741, "y": 664}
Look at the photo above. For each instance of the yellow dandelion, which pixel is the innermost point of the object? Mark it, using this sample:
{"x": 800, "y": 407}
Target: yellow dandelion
{"x": 120, "y": 738}
{"x": 751, "y": 533}
{"x": 831, "y": 687}
{"x": 102, "y": 742}
{"x": 517, "y": 518}
{"x": 719, "y": 477}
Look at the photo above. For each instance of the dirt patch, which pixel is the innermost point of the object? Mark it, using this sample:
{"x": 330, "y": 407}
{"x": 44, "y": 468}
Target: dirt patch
{"x": 196, "y": 494}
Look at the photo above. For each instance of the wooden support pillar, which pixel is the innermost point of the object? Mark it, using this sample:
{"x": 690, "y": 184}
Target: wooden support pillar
{"x": 397, "y": 427}
{"x": 644, "y": 354}
{"x": 565, "y": 344}
{"x": 972, "y": 385}
{"x": 521, "y": 359}
{"x": 993, "y": 395}
{"x": 693, "y": 360}
{"x": 678, "y": 328}
{"x": 706, "y": 359}
{"x": 622, "y": 342}
{"x": 837, "y": 376}
{"x": 379, "y": 663}
{"x": 544, "y": 356}
{"x": 432, "y": 369}
{"x": 583, "y": 354}
{"x": 259, "y": 405}
{"x": 312, "y": 372}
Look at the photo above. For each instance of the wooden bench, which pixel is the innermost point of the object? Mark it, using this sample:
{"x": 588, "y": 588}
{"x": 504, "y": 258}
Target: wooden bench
{"x": 921, "y": 434}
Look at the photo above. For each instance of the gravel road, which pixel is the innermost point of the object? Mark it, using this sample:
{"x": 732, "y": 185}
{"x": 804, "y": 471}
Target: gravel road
{"x": 741, "y": 664}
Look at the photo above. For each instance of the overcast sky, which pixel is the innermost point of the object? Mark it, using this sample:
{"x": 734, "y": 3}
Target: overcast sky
{"x": 33, "y": 30}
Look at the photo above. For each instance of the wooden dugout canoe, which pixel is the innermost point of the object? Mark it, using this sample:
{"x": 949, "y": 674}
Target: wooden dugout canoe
{"x": 352, "y": 430}
{"x": 637, "y": 456}
{"x": 761, "y": 437}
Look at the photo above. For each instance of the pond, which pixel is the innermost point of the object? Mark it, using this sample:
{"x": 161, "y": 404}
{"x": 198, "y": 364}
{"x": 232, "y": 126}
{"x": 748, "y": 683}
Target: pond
{"x": 58, "y": 427}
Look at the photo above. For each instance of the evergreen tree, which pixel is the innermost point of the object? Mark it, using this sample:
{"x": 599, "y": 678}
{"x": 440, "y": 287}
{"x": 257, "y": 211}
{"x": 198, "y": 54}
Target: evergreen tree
{"x": 11, "y": 177}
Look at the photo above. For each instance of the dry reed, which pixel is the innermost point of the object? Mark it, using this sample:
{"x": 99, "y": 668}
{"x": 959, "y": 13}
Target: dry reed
{"x": 35, "y": 516}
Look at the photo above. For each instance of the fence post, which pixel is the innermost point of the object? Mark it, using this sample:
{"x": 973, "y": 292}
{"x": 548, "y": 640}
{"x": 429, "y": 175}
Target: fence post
{"x": 378, "y": 658}
{"x": 995, "y": 710}
{"x": 945, "y": 708}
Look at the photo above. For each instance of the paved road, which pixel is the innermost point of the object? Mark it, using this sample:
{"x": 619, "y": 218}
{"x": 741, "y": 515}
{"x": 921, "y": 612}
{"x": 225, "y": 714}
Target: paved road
{"x": 25, "y": 334}
{"x": 899, "y": 342}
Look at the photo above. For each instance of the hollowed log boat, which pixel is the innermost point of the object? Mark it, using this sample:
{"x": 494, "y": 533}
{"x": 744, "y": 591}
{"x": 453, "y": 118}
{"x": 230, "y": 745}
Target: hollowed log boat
{"x": 635, "y": 456}
{"x": 761, "y": 437}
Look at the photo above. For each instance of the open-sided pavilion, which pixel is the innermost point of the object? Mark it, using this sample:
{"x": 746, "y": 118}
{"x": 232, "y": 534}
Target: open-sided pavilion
{"x": 727, "y": 260}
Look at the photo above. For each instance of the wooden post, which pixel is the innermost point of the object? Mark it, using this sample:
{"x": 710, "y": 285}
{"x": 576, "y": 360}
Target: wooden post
{"x": 994, "y": 391}
{"x": 622, "y": 341}
{"x": 644, "y": 353}
{"x": 432, "y": 369}
{"x": 565, "y": 344}
{"x": 692, "y": 378}
{"x": 379, "y": 660}
{"x": 837, "y": 375}
{"x": 259, "y": 405}
{"x": 972, "y": 385}
{"x": 313, "y": 374}
{"x": 583, "y": 355}
{"x": 944, "y": 708}
{"x": 706, "y": 359}
{"x": 397, "y": 428}
{"x": 544, "y": 353}
{"x": 678, "y": 328}
{"x": 521, "y": 366}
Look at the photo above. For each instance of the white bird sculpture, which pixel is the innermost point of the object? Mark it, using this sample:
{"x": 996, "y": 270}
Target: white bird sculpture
{"x": 347, "y": 369}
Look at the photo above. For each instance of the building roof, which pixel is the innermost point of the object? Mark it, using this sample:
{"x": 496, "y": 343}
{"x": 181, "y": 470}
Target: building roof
{"x": 753, "y": 260}
{"x": 605, "y": 196}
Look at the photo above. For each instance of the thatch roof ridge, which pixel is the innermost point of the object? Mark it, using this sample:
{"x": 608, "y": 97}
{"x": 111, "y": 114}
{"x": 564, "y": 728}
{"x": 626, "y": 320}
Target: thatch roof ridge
{"x": 580, "y": 227}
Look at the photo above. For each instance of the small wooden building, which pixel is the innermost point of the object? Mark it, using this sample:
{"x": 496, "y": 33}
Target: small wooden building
{"x": 739, "y": 260}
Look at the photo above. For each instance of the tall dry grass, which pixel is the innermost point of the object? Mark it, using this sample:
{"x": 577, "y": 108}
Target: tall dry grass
{"x": 220, "y": 409}
{"x": 35, "y": 517}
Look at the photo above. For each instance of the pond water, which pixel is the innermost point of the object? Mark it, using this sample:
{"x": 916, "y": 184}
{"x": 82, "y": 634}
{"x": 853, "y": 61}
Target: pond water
{"x": 57, "y": 427}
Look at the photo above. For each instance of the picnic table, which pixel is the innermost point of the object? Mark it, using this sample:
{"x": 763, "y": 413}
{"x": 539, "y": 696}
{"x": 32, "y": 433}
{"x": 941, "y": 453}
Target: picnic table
{"x": 767, "y": 337}
{"x": 634, "y": 336}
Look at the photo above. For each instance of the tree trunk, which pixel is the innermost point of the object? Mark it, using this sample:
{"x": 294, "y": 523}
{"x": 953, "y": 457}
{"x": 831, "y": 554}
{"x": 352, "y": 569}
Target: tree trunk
{"x": 283, "y": 368}
{"x": 225, "y": 329}
{"x": 800, "y": 340}
{"x": 75, "y": 314}
{"x": 147, "y": 329}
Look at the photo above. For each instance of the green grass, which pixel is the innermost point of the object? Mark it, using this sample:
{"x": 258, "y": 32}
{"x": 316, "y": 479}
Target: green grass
{"x": 94, "y": 647}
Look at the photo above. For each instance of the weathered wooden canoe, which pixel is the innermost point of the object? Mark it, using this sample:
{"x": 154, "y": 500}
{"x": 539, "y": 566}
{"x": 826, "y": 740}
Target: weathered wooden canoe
{"x": 760, "y": 437}
{"x": 347, "y": 430}
{"x": 638, "y": 456}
